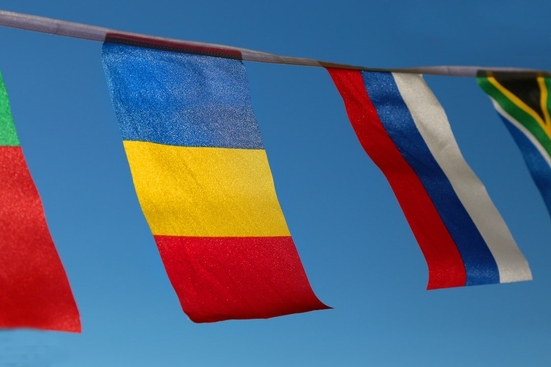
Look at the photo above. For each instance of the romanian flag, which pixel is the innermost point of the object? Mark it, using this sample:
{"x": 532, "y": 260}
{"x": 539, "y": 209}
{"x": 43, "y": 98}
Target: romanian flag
{"x": 203, "y": 181}
{"x": 34, "y": 290}
{"x": 405, "y": 131}
{"x": 523, "y": 105}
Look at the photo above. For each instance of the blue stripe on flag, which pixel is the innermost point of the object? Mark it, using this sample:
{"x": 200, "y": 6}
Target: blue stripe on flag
{"x": 180, "y": 99}
{"x": 479, "y": 263}
{"x": 537, "y": 165}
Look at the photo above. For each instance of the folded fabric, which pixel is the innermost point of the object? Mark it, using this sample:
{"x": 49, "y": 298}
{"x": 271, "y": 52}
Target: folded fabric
{"x": 34, "y": 289}
{"x": 204, "y": 183}
{"x": 404, "y": 129}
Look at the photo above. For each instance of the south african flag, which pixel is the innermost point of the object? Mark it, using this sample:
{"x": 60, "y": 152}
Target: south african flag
{"x": 522, "y": 102}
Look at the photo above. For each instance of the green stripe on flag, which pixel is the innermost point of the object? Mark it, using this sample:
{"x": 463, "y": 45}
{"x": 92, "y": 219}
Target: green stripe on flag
{"x": 548, "y": 86}
{"x": 517, "y": 113}
{"x": 8, "y": 135}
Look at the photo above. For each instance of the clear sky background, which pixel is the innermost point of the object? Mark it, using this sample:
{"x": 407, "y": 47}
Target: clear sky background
{"x": 357, "y": 249}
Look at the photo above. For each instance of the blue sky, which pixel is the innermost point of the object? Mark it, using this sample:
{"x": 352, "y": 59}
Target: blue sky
{"x": 359, "y": 254}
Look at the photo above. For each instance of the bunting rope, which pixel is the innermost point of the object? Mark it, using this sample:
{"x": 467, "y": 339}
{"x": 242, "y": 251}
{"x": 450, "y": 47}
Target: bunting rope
{"x": 95, "y": 33}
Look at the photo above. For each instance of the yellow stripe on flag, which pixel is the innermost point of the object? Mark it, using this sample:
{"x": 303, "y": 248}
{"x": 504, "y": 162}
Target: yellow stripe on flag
{"x": 543, "y": 100}
{"x": 209, "y": 192}
{"x": 520, "y": 104}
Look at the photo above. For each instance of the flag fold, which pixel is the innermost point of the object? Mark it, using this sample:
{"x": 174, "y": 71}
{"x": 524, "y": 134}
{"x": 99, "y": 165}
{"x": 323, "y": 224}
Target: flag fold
{"x": 204, "y": 183}
{"x": 34, "y": 289}
{"x": 405, "y": 131}
{"x": 523, "y": 104}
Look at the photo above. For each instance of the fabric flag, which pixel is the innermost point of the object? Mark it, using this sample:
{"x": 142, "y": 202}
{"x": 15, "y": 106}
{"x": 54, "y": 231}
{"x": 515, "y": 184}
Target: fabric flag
{"x": 405, "y": 131}
{"x": 523, "y": 104}
{"x": 34, "y": 289}
{"x": 203, "y": 181}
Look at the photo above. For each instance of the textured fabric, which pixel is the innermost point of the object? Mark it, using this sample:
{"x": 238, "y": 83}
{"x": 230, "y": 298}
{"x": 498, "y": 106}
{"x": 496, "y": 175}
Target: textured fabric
{"x": 431, "y": 121}
{"x": 213, "y": 110}
{"x": 34, "y": 289}
{"x": 405, "y": 131}
{"x": 523, "y": 105}
{"x": 190, "y": 179}
{"x": 204, "y": 184}
{"x": 237, "y": 277}
{"x": 8, "y": 135}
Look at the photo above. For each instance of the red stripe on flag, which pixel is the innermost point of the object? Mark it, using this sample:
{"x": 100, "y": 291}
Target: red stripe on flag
{"x": 222, "y": 278}
{"x": 445, "y": 264}
{"x": 34, "y": 290}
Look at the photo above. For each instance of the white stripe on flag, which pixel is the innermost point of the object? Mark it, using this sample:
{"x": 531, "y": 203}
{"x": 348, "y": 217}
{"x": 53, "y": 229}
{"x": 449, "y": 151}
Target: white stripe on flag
{"x": 433, "y": 125}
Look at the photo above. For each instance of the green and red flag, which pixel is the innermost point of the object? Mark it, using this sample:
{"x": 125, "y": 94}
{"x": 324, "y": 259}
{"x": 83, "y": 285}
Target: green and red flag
{"x": 34, "y": 289}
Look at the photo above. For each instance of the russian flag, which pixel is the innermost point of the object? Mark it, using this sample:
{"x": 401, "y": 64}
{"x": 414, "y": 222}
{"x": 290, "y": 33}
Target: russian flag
{"x": 204, "y": 183}
{"x": 404, "y": 129}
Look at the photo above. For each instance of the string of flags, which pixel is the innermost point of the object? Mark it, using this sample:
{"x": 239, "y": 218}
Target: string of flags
{"x": 204, "y": 184}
